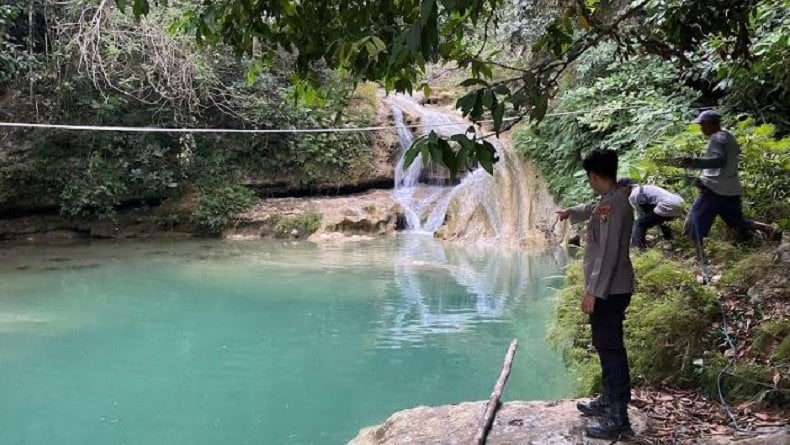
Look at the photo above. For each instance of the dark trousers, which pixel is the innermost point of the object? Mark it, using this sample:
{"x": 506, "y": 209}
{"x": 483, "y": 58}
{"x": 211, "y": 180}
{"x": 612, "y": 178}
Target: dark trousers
{"x": 647, "y": 219}
{"x": 607, "y": 336}
{"x": 710, "y": 204}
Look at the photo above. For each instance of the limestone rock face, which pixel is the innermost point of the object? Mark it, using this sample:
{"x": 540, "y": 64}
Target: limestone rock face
{"x": 54, "y": 228}
{"x": 369, "y": 214}
{"x": 322, "y": 219}
{"x": 516, "y": 423}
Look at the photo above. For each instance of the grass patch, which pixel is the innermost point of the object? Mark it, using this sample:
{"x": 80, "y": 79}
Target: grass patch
{"x": 773, "y": 338}
{"x": 745, "y": 381}
{"x": 748, "y": 270}
{"x": 365, "y": 98}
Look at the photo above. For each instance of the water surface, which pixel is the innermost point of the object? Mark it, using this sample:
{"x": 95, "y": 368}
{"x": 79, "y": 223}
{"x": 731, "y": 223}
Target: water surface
{"x": 214, "y": 342}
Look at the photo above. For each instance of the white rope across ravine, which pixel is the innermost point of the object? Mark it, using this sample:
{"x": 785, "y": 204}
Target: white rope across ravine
{"x": 69, "y": 127}
{"x": 207, "y": 130}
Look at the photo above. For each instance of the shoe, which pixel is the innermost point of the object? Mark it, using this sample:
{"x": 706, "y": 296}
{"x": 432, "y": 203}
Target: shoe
{"x": 597, "y": 407}
{"x": 614, "y": 426}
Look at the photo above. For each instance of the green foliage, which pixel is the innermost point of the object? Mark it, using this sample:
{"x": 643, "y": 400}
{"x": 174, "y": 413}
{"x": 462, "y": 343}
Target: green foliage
{"x": 88, "y": 174}
{"x": 12, "y": 56}
{"x": 765, "y": 172}
{"x": 569, "y": 333}
{"x": 746, "y": 270}
{"x": 669, "y": 322}
{"x": 757, "y": 84}
{"x": 304, "y": 224}
{"x": 328, "y": 157}
{"x": 774, "y": 337}
{"x": 219, "y": 200}
{"x": 621, "y": 105}
{"x": 368, "y": 94}
{"x": 668, "y": 325}
{"x": 392, "y": 42}
{"x": 472, "y": 152}
{"x": 744, "y": 381}
{"x": 139, "y": 75}
{"x": 95, "y": 191}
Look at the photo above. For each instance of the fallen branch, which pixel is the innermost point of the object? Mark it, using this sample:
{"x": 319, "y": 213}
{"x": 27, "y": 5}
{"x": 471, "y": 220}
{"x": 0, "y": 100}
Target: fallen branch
{"x": 493, "y": 402}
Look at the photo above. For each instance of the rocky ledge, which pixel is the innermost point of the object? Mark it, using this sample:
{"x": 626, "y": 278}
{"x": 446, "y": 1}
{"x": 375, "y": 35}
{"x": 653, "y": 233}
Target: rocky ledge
{"x": 320, "y": 219}
{"x": 516, "y": 423}
{"x": 536, "y": 423}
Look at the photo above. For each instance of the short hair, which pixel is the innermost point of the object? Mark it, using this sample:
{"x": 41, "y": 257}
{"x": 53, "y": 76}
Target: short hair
{"x": 601, "y": 162}
{"x": 626, "y": 182}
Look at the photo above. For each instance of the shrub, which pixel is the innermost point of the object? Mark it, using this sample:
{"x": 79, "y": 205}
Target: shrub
{"x": 218, "y": 202}
{"x": 623, "y": 105}
{"x": 95, "y": 191}
{"x": 305, "y": 223}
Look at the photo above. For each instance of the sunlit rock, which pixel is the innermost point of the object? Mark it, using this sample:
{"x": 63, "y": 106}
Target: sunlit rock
{"x": 535, "y": 423}
{"x": 320, "y": 219}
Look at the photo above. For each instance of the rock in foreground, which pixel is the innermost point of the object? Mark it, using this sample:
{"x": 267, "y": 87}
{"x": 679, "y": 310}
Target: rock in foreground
{"x": 536, "y": 423}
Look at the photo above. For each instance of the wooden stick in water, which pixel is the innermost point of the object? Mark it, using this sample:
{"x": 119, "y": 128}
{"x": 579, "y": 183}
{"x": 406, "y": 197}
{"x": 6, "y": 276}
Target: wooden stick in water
{"x": 493, "y": 402}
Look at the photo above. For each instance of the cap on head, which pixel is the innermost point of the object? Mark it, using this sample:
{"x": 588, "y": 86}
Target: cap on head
{"x": 707, "y": 116}
{"x": 625, "y": 182}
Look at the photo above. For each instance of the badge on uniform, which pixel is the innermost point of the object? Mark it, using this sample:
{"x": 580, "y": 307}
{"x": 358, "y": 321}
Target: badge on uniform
{"x": 603, "y": 212}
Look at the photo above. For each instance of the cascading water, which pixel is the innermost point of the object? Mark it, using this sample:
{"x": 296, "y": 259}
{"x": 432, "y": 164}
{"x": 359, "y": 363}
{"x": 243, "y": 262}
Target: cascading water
{"x": 512, "y": 207}
{"x": 424, "y": 205}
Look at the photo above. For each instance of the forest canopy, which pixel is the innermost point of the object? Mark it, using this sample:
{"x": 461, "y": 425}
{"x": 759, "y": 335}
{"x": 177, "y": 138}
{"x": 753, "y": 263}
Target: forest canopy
{"x": 738, "y": 49}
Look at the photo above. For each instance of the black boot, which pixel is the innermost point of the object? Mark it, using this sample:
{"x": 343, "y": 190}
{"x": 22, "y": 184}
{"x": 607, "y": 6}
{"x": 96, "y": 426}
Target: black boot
{"x": 614, "y": 426}
{"x": 595, "y": 407}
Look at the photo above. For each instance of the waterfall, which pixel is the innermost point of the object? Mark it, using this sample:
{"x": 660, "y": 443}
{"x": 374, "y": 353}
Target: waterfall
{"x": 424, "y": 204}
{"x": 513, "y": 207}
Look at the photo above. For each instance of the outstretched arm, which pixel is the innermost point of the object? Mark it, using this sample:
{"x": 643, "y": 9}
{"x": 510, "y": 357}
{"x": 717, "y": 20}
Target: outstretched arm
{"x": 577, "y": 213}
{"x": 715, "y": 157}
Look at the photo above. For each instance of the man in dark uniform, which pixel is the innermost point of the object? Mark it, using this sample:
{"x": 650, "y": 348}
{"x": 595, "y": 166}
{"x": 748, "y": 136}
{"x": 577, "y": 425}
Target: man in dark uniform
{"x": 609, "y": 283}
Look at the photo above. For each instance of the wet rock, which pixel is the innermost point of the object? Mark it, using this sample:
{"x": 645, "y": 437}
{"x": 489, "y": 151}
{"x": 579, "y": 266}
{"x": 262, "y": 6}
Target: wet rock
{"x": 54, "y": 228}
{"x": 241, "y": 236}
{"x": 53, "y": 236}
{"x": 536, "y": 423}
{"x": 370, "y": 214}
{"x": 323, "y": 219}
